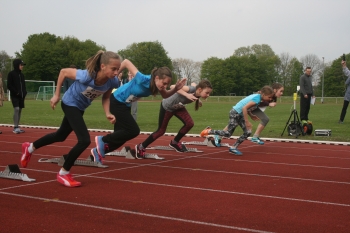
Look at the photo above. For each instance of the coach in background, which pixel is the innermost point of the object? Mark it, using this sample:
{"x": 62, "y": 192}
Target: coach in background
{"x": 18, "y": 92}
{"x": 306, "y": 93}
{"x": 347, "y": 92}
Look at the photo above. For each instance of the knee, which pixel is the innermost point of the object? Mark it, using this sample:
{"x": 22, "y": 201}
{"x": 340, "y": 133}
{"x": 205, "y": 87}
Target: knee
{"x": 84, "y": 142}
{"x": 265, "y": 121}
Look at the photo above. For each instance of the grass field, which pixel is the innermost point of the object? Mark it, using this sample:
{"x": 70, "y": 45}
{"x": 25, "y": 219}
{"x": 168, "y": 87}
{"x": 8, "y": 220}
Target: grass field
{"x": 214, "y": 113}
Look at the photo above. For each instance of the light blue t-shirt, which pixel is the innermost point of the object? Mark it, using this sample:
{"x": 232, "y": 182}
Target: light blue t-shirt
{"x": 138, "y": 87}
{"x": 256, "y": 98}
{"x": 83, "y": 91}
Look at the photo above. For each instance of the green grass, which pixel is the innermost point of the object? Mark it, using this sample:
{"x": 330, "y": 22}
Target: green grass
{"x": 213, "y": 113}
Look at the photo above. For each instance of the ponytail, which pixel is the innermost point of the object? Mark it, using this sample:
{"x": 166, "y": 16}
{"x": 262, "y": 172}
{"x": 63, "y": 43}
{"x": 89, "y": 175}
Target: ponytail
{"x": 93, "y": 64}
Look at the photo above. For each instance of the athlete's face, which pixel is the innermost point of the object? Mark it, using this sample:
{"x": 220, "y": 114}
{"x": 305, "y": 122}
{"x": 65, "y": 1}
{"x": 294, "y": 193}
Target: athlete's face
{"x": 204, "y": 93}
{"x": 162, "y": 84}
{"x": 279, "y": 92}
{"x": 111, "y": 69}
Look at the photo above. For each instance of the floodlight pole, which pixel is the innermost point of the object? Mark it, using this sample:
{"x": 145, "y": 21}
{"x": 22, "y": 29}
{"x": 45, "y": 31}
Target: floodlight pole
{"x": 322, "y": 81}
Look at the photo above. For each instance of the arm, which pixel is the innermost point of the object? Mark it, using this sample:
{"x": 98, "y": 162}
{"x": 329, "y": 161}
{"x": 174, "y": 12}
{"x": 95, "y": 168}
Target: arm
{"x": 105, "y": 105}
{"x": 184, "y": 91}
{"x": 64, "y": 73}
{"x": 126, "y": 64}
{"x": 10, "y": 84}
{"x": 245, "y": 114}
{"x": 167, "y": 93}
{"x": 301, "y": 84}
{"x": 346, "y": 72}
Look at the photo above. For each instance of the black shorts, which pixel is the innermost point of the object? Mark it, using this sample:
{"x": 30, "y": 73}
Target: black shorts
{"x": 17, "y": 102}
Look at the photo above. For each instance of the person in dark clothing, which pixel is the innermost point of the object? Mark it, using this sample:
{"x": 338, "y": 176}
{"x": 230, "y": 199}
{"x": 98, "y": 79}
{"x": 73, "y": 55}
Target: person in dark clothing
{"x": 17, "y": 87}
{"x": 347, "y": 92}
{"x": 306, "y": 93}
{"x": 67, "y": 81}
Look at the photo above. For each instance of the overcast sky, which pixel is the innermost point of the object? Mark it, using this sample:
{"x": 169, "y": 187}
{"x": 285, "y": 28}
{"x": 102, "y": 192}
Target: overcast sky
{"x": 193, "y": 29}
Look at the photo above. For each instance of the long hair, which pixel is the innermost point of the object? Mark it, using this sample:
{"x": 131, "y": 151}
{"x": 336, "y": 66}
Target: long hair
{"x": 162, "y": 73}
{"x": 266, "y": 90}
{"x": 93, "y": 64}
{"x": 202, "y": 84}
{"x": 276, "y": 86}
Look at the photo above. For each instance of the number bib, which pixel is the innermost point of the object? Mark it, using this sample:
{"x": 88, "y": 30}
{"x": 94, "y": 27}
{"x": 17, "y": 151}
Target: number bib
{"x": 92, "y": 93}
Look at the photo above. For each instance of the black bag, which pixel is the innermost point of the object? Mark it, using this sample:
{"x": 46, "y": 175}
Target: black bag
{"x": 294, "y": 129}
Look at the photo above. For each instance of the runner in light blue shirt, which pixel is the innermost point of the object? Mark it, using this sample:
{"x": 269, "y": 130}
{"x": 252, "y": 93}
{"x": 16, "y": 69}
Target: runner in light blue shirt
{"x": 98, "y": 79}
{"x": 141, "y": 85}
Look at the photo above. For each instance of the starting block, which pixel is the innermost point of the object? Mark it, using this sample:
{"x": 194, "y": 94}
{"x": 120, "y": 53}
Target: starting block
{"x": 129, "y": 153}
{"x": 78, "y": 162}
{"x": 169, "y": 148}
{"x": 207, "y": 142}
{"x": 13, "y": 172}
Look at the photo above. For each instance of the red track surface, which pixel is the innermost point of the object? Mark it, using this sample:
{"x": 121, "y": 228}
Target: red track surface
{"x": 277, "y": 187}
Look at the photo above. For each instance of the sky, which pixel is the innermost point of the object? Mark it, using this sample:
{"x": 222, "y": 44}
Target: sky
{"x": 191, "y": 29}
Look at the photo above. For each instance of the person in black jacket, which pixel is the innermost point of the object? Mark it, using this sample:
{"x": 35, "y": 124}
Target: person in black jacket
{"x": 17, "y": 87}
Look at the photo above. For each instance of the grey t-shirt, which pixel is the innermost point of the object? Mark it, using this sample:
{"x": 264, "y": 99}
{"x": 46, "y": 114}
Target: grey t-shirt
{"x": 177, "y": 101}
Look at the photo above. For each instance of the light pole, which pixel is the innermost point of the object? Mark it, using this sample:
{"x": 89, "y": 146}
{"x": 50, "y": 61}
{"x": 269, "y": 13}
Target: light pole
{"x": 322, "y": 81}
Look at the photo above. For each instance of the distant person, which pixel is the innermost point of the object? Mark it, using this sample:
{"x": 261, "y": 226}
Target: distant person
{"x": 97, "y": 79}
{"x": 347, "y": 92}
{"x": 17, "y": 87}
{"x": 67, "y": 81}
{"x": 133, "y": 104}
{"x": 2, "y": 94}
{"x": 306, "y": 93}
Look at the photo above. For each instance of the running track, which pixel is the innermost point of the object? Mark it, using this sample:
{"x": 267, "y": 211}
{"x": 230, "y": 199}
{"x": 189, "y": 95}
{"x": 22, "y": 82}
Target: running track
{"x": 277, "y": 187}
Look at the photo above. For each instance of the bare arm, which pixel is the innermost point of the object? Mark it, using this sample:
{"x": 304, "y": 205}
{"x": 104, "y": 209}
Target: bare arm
{"x": 179, "y": 84}
{"x": 245, "y": 114}
{"x": 126, "y": 64}
{"x": 105, "y": 105}
{"x": 64, "y": 73}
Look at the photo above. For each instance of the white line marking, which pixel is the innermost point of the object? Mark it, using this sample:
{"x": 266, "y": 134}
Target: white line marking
{"x": 138, "y": 213}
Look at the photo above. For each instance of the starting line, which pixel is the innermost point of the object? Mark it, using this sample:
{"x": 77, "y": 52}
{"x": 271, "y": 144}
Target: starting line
{"x": 78, "y": 162}
{"x": 169, "y": 148}
{"x": 13, "y": 172}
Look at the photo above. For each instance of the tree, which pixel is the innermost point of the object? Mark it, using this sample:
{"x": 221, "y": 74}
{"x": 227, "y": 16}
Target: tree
{"x": 334, "y": 82}
{"x": 45, "y": 54}
{"x": 187, "y": 68}
{"x": 146, "y": 56}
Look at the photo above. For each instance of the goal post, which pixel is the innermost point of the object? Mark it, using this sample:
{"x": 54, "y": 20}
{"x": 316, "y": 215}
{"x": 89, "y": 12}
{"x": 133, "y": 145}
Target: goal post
{"x": 33, "y": 87}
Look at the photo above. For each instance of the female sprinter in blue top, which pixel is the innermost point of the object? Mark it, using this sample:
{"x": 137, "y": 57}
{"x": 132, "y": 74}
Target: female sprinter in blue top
{"x": 99, "y": 78}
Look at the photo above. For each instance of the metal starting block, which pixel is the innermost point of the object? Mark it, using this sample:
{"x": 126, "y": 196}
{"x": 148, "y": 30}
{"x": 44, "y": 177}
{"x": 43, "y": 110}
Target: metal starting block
{"x": 129, "y": 153}
{"x": 169, "y": 148}
{"x": 207, "y": 142}
{"x": 13, "y": 172}
{"x": 78, "y": 162}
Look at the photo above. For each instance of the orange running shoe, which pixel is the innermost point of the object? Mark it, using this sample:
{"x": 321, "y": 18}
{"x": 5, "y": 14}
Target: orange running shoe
{"x": 25, "y": 154}
{"x": 205, "y": 132}
{"x": 67, "y": 180}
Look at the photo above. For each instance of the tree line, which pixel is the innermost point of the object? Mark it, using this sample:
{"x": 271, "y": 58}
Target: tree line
{"x": 246, "y": 71}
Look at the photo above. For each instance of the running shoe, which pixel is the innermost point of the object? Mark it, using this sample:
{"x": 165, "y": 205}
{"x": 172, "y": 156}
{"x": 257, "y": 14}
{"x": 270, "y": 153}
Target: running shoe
{"x": 100, "y": 146}
{"x": 235, "y": 151}
{"x": 20, "y": 130}
{"x": 257, "y": 140}
{"x": 176, "y": 146}
{"x": 67, "y": 180}
{"x": 16, "y": 130}
{"x": 139, "y": 153}
{"x": 97, "y": 158}
{"x": 25, "y": 154}
{"x": 205, "y": 132}
{"x": 217, "y": 140}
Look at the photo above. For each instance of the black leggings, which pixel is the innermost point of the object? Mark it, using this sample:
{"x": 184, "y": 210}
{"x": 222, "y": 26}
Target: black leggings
{"x": 163, "y": 121}
{"x": 72, "y": 121}
{"x": 125, "y": 127}
{"x": 343, "y": 111}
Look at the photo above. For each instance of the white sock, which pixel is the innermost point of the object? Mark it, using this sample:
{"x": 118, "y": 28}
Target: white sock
{"x": 31, "y": 148}
{"x": 63, "y": 172}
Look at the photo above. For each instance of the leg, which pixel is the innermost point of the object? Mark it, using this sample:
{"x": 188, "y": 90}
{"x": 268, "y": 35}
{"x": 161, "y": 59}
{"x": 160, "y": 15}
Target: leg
{"x": 183, "y": 115}
{"x": 343, "y": 111}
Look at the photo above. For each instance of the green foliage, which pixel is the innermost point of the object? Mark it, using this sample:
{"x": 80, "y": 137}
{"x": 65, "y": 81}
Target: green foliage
{"x": 146, "y": 56}
{"x": 334, "y": 81}
{"x": 46, "y": 54}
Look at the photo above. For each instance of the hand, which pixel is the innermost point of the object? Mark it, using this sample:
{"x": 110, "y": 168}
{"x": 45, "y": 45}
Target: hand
{"x": 305, "y": 96}
{"x": 111, "y": 118}
{"x": 273, "y": 104}
{"x": 343, "y": 63}
{"x": 180, "y": 84}
{"x": 54, "y": 100}
{"x": 191, "y": 97}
